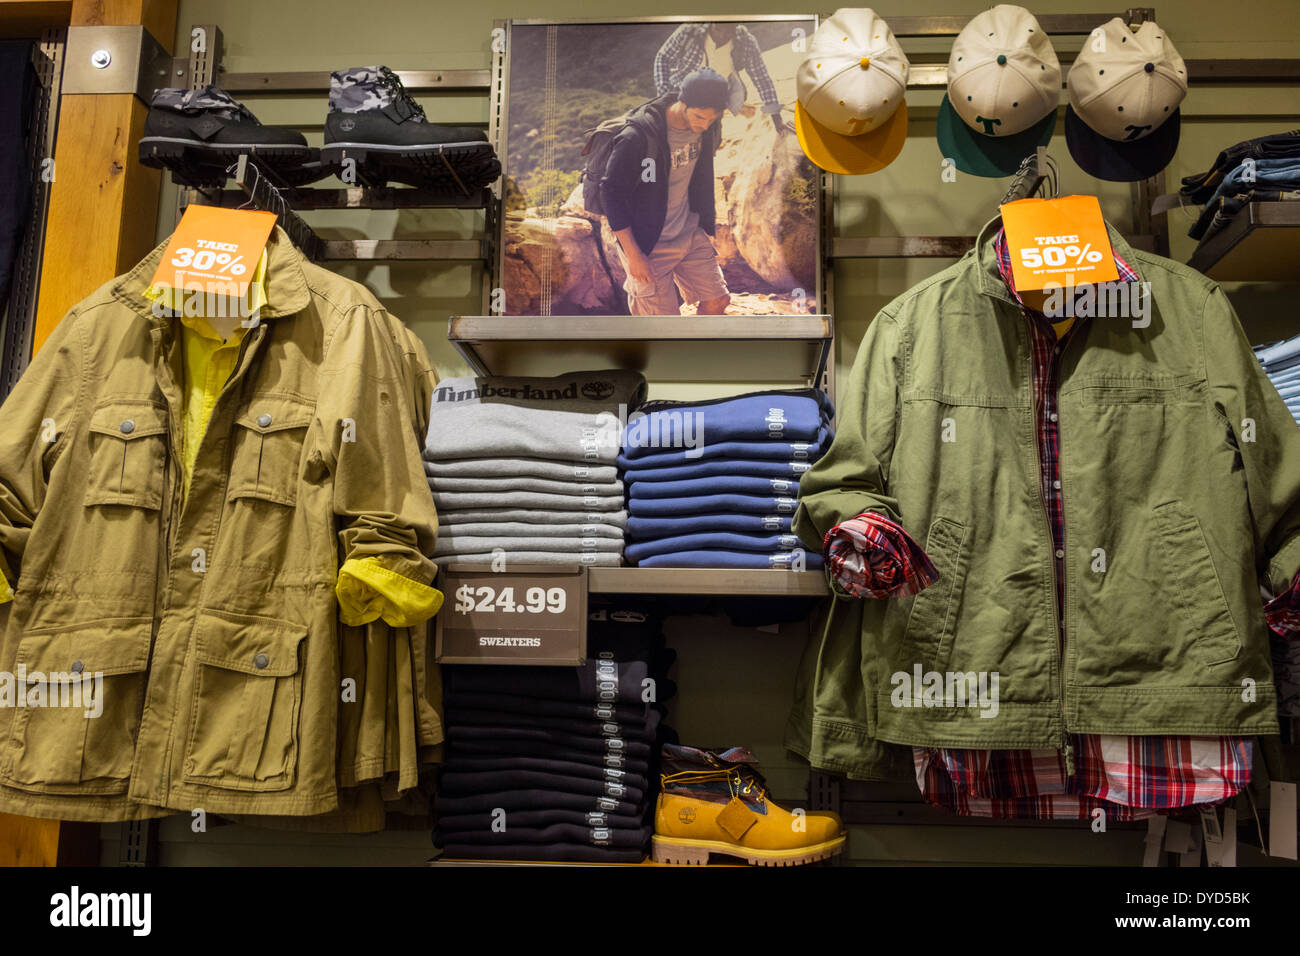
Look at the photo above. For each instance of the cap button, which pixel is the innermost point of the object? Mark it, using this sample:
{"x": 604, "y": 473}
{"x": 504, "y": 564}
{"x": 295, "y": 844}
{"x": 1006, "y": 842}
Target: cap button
{"x": 263, "y": 421}
{"x": 127, "y": 427}
{"x": 1002, "y": 60}
{"x": 864, "y": 62}
{"x": 260, "y": 661}
{"x": 1150, "y": 67}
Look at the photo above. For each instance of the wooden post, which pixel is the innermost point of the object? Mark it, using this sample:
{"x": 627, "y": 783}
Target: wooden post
{"x": 101, "y": 221}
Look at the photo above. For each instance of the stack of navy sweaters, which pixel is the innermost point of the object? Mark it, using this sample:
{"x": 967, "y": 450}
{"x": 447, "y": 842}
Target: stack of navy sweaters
{"x": 714, "y": 484}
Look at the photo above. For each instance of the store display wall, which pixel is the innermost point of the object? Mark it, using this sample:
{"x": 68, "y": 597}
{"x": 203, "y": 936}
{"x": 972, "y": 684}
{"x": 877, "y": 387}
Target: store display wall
{"x": 734, "y": 682}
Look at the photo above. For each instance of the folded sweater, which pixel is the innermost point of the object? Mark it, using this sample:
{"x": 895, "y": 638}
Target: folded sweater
{"x": 711, "y": 504}
{"x": 714, "y": 485}
{"x": 771, "y": 450}
{"x": 459, "y": 516}
{"x": 642, "y": 528}
{"x": 763, "y": 416}
{"x": 509, "y": 486}
{"x": 519, "y": 467}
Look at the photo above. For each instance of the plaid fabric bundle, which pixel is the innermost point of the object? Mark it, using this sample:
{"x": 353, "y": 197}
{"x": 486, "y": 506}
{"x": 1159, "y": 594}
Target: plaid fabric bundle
{"x": 872, "y": 556}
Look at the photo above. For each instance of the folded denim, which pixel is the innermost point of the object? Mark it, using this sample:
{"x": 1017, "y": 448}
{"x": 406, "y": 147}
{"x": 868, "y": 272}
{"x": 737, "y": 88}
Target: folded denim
{"x": 728, "y": 541}
{"x": 519, "y": 467}
{"x": 714, "y": 485}
{"x": 509, "y": 486}
{"x": 650, "y": 528}
{"x": 812, "y": 561}
{"x": 1278, "y": 352}
{"x": 1200, "y": 187}
{"x": 457, "y": 544}
{"x": 463, "y": 516}
{"x": 1244, "y": 180}
{"x": 769, "y": 450}
{"x": 774, "y": 468}
{"x": 769, "y": 416}
{"x": 711, "y": 504}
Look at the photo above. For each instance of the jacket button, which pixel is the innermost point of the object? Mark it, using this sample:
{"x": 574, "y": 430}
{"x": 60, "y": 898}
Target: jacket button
{"x": 78, "y": 667}
{"x": 1060, "y": 553}
{"x": 263, "y": 421}
{"x": 128, "y": 426}
{"x": 260, "y": 661}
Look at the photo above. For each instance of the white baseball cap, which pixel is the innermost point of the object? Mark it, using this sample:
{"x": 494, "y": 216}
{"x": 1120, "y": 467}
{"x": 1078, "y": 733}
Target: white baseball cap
{"x": 1004, "y": 84}
{"x": 851, "y": 116}
{"x": 1125, "y": 86}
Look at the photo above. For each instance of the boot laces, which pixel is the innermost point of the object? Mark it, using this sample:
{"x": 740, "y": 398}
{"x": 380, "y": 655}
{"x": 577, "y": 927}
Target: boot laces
{"x": 742, "y": 779}
{"x": 393, "y": 83}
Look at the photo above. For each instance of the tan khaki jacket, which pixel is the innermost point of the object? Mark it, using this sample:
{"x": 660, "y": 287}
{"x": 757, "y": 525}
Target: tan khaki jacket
{"x": 212, "y": 622}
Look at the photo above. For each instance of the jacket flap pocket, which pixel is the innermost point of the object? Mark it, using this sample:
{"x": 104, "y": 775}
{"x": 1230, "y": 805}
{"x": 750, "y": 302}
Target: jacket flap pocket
{"x": 257, "y": 646}
{"x": 105, "y": 647}
{"x": 129, "y": 419}
{"x": 274, "y": 413}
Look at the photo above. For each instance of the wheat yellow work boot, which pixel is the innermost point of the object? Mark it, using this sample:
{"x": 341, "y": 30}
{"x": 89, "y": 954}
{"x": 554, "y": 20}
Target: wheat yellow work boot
{"x": 716, "y": 802}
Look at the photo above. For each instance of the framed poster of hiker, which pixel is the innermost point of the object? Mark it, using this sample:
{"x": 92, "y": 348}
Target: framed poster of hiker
{"x": 651, "y": 168}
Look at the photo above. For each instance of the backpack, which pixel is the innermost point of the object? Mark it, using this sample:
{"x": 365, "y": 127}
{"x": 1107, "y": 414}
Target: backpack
{"x": 600, "y": 143}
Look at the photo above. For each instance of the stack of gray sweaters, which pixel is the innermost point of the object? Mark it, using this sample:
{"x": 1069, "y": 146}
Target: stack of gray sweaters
{"x": 523, "y": 468}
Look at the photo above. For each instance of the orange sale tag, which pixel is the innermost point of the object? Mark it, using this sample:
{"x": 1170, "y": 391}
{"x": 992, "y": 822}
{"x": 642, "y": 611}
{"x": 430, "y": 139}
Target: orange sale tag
{"x": 214, "y": 251}
{"x": 1058, "y": 242}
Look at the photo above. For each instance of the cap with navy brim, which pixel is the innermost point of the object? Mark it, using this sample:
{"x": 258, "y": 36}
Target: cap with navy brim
{"x": 1119, "y": 161}
{"x": 990, "y": 156}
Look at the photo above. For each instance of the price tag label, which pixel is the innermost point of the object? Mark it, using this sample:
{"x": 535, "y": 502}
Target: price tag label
{"x": 214, "y": 251}
{"x": 524, "y": 616}
{"x": 1061, "y": 242}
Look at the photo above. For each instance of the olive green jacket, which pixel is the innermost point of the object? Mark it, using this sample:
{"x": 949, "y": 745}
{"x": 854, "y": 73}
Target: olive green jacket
{"x": 1180, "y": 472}
{"x": 211, "y": 618}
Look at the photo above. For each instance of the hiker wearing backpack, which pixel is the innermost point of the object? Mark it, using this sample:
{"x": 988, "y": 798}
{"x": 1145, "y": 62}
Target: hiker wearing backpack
{"x": 657, "y": 194}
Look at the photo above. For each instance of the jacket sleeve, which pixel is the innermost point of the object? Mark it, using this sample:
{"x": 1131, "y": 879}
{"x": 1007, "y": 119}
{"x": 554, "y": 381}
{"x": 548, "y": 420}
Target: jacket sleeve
{"x": 1266, "y": 437}
{"x": 38, "y": 416}
{"x": 853, "y": 476}
{"x": 364, "y": 435}
{"x": 622, "y": 173}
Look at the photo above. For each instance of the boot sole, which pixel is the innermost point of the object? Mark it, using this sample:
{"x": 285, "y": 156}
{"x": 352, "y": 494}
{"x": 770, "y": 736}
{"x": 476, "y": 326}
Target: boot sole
{"x": 679, "y": 852}
{"x": 195, "y": 163}
{"x": 471, "y": 165}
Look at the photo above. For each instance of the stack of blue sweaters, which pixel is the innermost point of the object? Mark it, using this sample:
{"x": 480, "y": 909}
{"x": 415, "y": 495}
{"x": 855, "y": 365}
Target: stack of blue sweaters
{"x": 1281, "y": 361}
{"x": 714, "y": 484}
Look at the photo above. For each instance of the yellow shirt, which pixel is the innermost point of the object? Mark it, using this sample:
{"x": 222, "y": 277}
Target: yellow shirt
{"x": 366, "y": 588}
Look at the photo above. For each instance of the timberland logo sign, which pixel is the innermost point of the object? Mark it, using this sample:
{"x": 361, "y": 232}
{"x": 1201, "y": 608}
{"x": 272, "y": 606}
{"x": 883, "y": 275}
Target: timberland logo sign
{"x": 686, "y": 814}
{"x": 74, "y": 908}
{"x": 74, "y": 688}
{"x": 951, "y": 689}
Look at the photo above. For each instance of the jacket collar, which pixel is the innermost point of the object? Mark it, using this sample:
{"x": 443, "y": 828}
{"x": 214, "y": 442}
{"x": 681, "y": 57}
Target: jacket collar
{"x": 986, "y": 262}
{"x": 286, "y": 281}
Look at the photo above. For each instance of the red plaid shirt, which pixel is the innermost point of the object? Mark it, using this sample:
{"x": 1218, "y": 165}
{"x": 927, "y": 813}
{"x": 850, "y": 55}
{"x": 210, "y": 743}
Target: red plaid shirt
{"x": 1129, "y": 777}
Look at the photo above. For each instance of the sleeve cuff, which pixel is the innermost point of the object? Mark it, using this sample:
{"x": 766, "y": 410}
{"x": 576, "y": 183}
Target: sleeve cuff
{"x": 1283, "y": 612}
{"x": 368, "y": 590}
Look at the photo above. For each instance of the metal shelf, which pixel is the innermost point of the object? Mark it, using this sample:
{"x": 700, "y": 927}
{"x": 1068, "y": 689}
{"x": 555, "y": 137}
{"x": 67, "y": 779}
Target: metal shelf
{"x": 666, "y": 348}
{"x": 1260, "y": 244}
{"x": 363, "y": 197}
{"x": 928, "y": 247}
{"x": 743, "y": 583}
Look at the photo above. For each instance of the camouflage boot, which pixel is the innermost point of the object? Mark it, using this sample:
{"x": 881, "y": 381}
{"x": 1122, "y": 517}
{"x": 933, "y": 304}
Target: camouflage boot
{"x": 197, "y": 134}
{"x": 375, "y": 132}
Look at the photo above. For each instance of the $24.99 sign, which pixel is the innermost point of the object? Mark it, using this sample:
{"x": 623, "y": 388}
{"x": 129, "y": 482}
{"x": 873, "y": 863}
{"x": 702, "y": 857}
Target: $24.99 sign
{"x": 486, "y": 599}
{"x": 524, "y": 616}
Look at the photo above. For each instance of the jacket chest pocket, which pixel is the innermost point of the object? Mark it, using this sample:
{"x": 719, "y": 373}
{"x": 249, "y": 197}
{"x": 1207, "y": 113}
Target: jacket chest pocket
{"x": 267, "y": 449}
{"x": 128, "y": 455}
{"x": 247, "y": 698}
{"x": 75, "y": 731}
